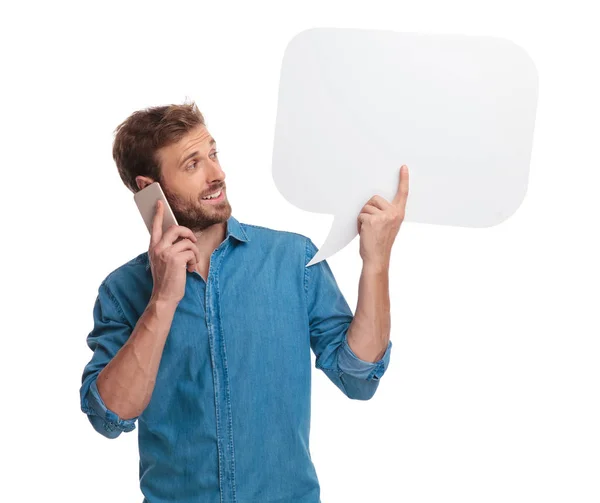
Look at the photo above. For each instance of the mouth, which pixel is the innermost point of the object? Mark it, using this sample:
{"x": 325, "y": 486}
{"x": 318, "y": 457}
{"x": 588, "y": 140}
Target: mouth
{"x": 215, "y": 197}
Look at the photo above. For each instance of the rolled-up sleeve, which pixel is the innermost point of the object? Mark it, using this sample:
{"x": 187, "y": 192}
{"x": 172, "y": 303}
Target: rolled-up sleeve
{"x": 329, "y": 319}
{"x": 109, "y": 334}
{"x": 351, "y": 364}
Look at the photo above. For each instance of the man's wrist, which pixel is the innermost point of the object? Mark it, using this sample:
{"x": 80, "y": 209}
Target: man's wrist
{"x": 160, "y": 306}
{"x": 378, "y": 268}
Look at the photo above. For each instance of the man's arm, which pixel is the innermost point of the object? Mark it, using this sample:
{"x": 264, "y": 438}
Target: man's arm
{"x": 118, "y": 381}
{"x": 127, "y": 381}
{"x": 329, "y": 320}
{"x": 354, "y": 350}
{"x": 369, "y": 333}
{"x": 378, "y": 225}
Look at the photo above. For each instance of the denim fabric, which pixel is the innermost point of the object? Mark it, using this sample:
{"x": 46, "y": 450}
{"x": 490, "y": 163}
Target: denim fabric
{"x": 229, "y": 418}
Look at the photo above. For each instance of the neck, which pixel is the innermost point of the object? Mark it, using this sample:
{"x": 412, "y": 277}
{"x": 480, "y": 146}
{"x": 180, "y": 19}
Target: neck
{"x": 210, "y": 238}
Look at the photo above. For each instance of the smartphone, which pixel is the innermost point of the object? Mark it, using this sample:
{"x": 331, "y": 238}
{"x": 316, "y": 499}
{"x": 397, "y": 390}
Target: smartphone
{"x": 146, "y": 202}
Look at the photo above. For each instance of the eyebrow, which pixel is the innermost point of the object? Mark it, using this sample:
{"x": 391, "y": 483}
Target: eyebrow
{"x": 195, "y": 153}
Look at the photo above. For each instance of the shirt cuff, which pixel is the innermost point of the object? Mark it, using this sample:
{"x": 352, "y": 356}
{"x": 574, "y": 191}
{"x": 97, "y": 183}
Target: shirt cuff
{"x": 112, "y": 422}
{"x": 350, "y": 364}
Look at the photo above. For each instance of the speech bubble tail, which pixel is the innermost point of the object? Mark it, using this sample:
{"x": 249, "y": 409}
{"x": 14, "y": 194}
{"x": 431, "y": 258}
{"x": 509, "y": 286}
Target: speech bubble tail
{"x": 343, "y": 230}
{"x": 316, "y": 259}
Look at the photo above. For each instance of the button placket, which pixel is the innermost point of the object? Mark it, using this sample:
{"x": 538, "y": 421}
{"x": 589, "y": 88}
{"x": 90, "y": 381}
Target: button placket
{"x": 224, "y": 419}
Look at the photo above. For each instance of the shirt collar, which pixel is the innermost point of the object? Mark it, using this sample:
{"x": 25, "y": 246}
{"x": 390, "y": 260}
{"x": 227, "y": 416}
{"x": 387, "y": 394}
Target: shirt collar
{"x": 234, "y": 230}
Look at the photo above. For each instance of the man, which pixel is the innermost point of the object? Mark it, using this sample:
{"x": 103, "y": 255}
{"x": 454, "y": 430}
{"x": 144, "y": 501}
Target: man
{"x": 205, "y": 339}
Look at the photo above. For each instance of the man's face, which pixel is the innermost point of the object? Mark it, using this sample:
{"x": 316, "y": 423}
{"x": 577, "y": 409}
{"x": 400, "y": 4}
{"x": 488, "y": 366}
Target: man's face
{"x": 190, "y": 171}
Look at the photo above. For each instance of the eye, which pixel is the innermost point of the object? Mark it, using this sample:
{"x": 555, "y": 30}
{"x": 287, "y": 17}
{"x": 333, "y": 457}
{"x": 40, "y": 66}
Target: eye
{"x": 192, "y": 165}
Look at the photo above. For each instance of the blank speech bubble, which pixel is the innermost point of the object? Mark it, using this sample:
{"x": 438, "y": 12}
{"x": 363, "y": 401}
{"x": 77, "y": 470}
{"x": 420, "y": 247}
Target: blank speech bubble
{"x": 354, "y": 105}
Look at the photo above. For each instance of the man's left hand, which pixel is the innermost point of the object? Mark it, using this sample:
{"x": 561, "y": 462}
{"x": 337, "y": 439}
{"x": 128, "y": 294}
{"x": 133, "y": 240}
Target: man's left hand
{"x": 378, "y": 225}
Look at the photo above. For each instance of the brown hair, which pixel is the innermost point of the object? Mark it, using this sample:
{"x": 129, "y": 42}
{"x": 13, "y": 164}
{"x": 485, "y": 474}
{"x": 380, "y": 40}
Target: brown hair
{"x": 144, "y": 132}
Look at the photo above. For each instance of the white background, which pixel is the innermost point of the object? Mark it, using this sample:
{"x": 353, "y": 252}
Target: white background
{"x": 493, "y": 390}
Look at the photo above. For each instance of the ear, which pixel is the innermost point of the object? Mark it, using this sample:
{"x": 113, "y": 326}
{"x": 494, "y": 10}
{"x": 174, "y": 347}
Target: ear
{"x": 143, "y": 181}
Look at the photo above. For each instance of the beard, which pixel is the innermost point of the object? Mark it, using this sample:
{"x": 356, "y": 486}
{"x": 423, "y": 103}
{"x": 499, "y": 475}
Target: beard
{"x": 195, "y": 214}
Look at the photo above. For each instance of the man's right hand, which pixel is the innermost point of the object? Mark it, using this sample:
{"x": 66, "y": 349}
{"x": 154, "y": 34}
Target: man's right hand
{"x": 170, "y": 258}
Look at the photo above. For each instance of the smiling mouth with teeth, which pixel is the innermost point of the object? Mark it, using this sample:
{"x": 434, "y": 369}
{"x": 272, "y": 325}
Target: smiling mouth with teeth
{"x": 214, "y": 195}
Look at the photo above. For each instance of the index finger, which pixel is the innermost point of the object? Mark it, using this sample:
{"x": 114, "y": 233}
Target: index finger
{"x": 157, "y": 223}
{"x": 402, "y": 194}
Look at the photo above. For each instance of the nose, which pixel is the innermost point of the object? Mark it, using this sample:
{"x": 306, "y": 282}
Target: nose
{"x": 216, "y": 173}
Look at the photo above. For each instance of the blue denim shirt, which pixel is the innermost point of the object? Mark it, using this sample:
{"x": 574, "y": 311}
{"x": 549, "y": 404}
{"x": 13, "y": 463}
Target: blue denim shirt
{"x": 229, "y": 417}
